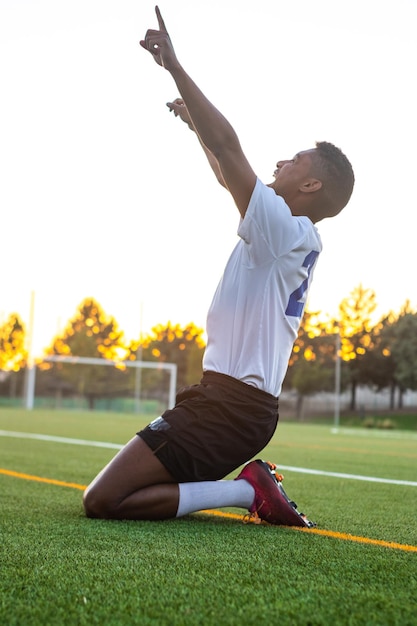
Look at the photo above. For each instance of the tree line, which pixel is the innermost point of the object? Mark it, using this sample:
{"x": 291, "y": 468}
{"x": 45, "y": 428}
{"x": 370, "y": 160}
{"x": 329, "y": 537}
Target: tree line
{"x": 382, "y": 354}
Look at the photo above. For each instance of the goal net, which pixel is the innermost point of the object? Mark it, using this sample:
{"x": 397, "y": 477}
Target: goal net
{"x": 86, "y": 383}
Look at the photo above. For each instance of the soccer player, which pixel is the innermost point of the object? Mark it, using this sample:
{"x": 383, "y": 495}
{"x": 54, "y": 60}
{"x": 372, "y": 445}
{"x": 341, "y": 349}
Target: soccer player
{"x": 175, "y": 465}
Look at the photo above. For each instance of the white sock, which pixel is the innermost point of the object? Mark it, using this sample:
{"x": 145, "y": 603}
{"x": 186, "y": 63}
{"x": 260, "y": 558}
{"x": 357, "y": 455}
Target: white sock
{"x": 213, "y": 494}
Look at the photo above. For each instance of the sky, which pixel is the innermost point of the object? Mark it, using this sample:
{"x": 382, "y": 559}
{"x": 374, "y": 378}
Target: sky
{"x": 104, "y": 194}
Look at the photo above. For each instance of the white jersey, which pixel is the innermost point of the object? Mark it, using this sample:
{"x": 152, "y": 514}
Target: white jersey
{"x": 256, "y": 311}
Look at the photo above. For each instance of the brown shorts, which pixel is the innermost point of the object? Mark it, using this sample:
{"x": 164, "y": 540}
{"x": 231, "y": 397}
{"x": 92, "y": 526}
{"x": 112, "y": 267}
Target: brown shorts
{"x": 214, "y": 428}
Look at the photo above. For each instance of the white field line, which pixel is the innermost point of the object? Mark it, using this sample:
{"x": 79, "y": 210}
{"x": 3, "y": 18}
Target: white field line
{"x": 290, "y": 468}
{"x": 76, "y": 442}
{"x": 369, "y": 479}
{"x": 370, "y": 432}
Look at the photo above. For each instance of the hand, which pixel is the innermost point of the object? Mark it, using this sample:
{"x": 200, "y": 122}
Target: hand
{"x": 180, "y": 110}
{"x": 159, "y": 44}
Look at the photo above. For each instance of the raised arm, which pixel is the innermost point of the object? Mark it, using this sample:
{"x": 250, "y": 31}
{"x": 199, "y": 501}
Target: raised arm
{"x": 180, "y": 110}
{"x": 214, "y": 131}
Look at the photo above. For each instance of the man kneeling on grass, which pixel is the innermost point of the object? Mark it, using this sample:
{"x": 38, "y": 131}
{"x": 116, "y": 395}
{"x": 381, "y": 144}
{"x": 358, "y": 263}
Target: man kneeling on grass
{"x": 175, "y": 465}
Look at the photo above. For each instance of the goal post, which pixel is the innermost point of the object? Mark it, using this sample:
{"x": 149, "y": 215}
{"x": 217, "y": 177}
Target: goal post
{"x": 74, "y": 360}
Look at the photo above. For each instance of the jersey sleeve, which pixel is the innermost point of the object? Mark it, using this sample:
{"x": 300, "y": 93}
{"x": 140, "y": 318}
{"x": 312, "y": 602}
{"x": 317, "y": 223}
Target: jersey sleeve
{"x": 269, "y": 227}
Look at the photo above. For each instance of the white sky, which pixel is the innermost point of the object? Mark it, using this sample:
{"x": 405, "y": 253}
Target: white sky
{"x": 103, "y": 193}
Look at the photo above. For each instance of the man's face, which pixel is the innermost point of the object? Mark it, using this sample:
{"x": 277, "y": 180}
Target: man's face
{"x": 290, "y": 174}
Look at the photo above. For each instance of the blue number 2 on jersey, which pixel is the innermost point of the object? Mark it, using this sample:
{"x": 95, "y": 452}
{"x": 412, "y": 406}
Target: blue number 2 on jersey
{"x": 295, "y": 307}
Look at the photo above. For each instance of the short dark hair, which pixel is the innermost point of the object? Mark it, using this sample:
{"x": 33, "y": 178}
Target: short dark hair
{"x": 336, "y": 174}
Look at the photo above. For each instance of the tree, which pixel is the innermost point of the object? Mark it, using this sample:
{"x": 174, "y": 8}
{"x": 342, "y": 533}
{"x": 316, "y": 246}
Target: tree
{"x": 404, "y": 351}
{"x": 172, "y": 344}
{"x": 312, "y": 362}
{"x": 90, "y": 333}
{"x": 378, "y": 365}
{"x": 13, "y": 354}
{"x": 355, "y": 329}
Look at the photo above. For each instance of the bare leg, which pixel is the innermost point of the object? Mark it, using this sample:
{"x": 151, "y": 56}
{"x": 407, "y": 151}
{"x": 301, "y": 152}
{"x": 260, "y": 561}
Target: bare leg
{"x": 134, "y": 485}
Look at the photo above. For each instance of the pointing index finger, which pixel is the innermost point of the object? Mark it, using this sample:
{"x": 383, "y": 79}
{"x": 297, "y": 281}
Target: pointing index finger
{"x": 161, "y": 22}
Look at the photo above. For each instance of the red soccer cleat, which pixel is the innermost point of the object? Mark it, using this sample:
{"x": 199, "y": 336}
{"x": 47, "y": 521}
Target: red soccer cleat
{"x": 271, "y": 502}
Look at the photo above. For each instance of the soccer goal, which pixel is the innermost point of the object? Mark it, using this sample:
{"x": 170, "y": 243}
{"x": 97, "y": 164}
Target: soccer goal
{"x": 96, "y": 382}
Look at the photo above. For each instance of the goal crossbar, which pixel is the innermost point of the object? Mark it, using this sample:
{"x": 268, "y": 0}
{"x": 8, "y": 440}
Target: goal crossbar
{"x": 85, "y": 360}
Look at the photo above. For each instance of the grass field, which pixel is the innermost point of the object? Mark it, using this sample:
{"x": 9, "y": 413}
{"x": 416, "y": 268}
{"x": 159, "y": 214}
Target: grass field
{"x": 358, "y": 567}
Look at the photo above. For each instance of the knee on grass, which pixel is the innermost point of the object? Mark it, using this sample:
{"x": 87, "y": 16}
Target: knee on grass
{"x": 96, "y": 505}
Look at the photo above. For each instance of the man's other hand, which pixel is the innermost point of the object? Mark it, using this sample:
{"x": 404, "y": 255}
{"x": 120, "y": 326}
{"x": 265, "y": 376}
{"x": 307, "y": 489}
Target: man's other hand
{"x": 180, "y": 110}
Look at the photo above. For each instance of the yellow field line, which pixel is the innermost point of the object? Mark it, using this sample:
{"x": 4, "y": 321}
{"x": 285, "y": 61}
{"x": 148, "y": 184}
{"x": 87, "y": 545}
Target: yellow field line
{"x": 39, "y": 479}
{"x": 314, "y": 531}
{"x": 327, "y": 533}
{"x": 366, "y": 540}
